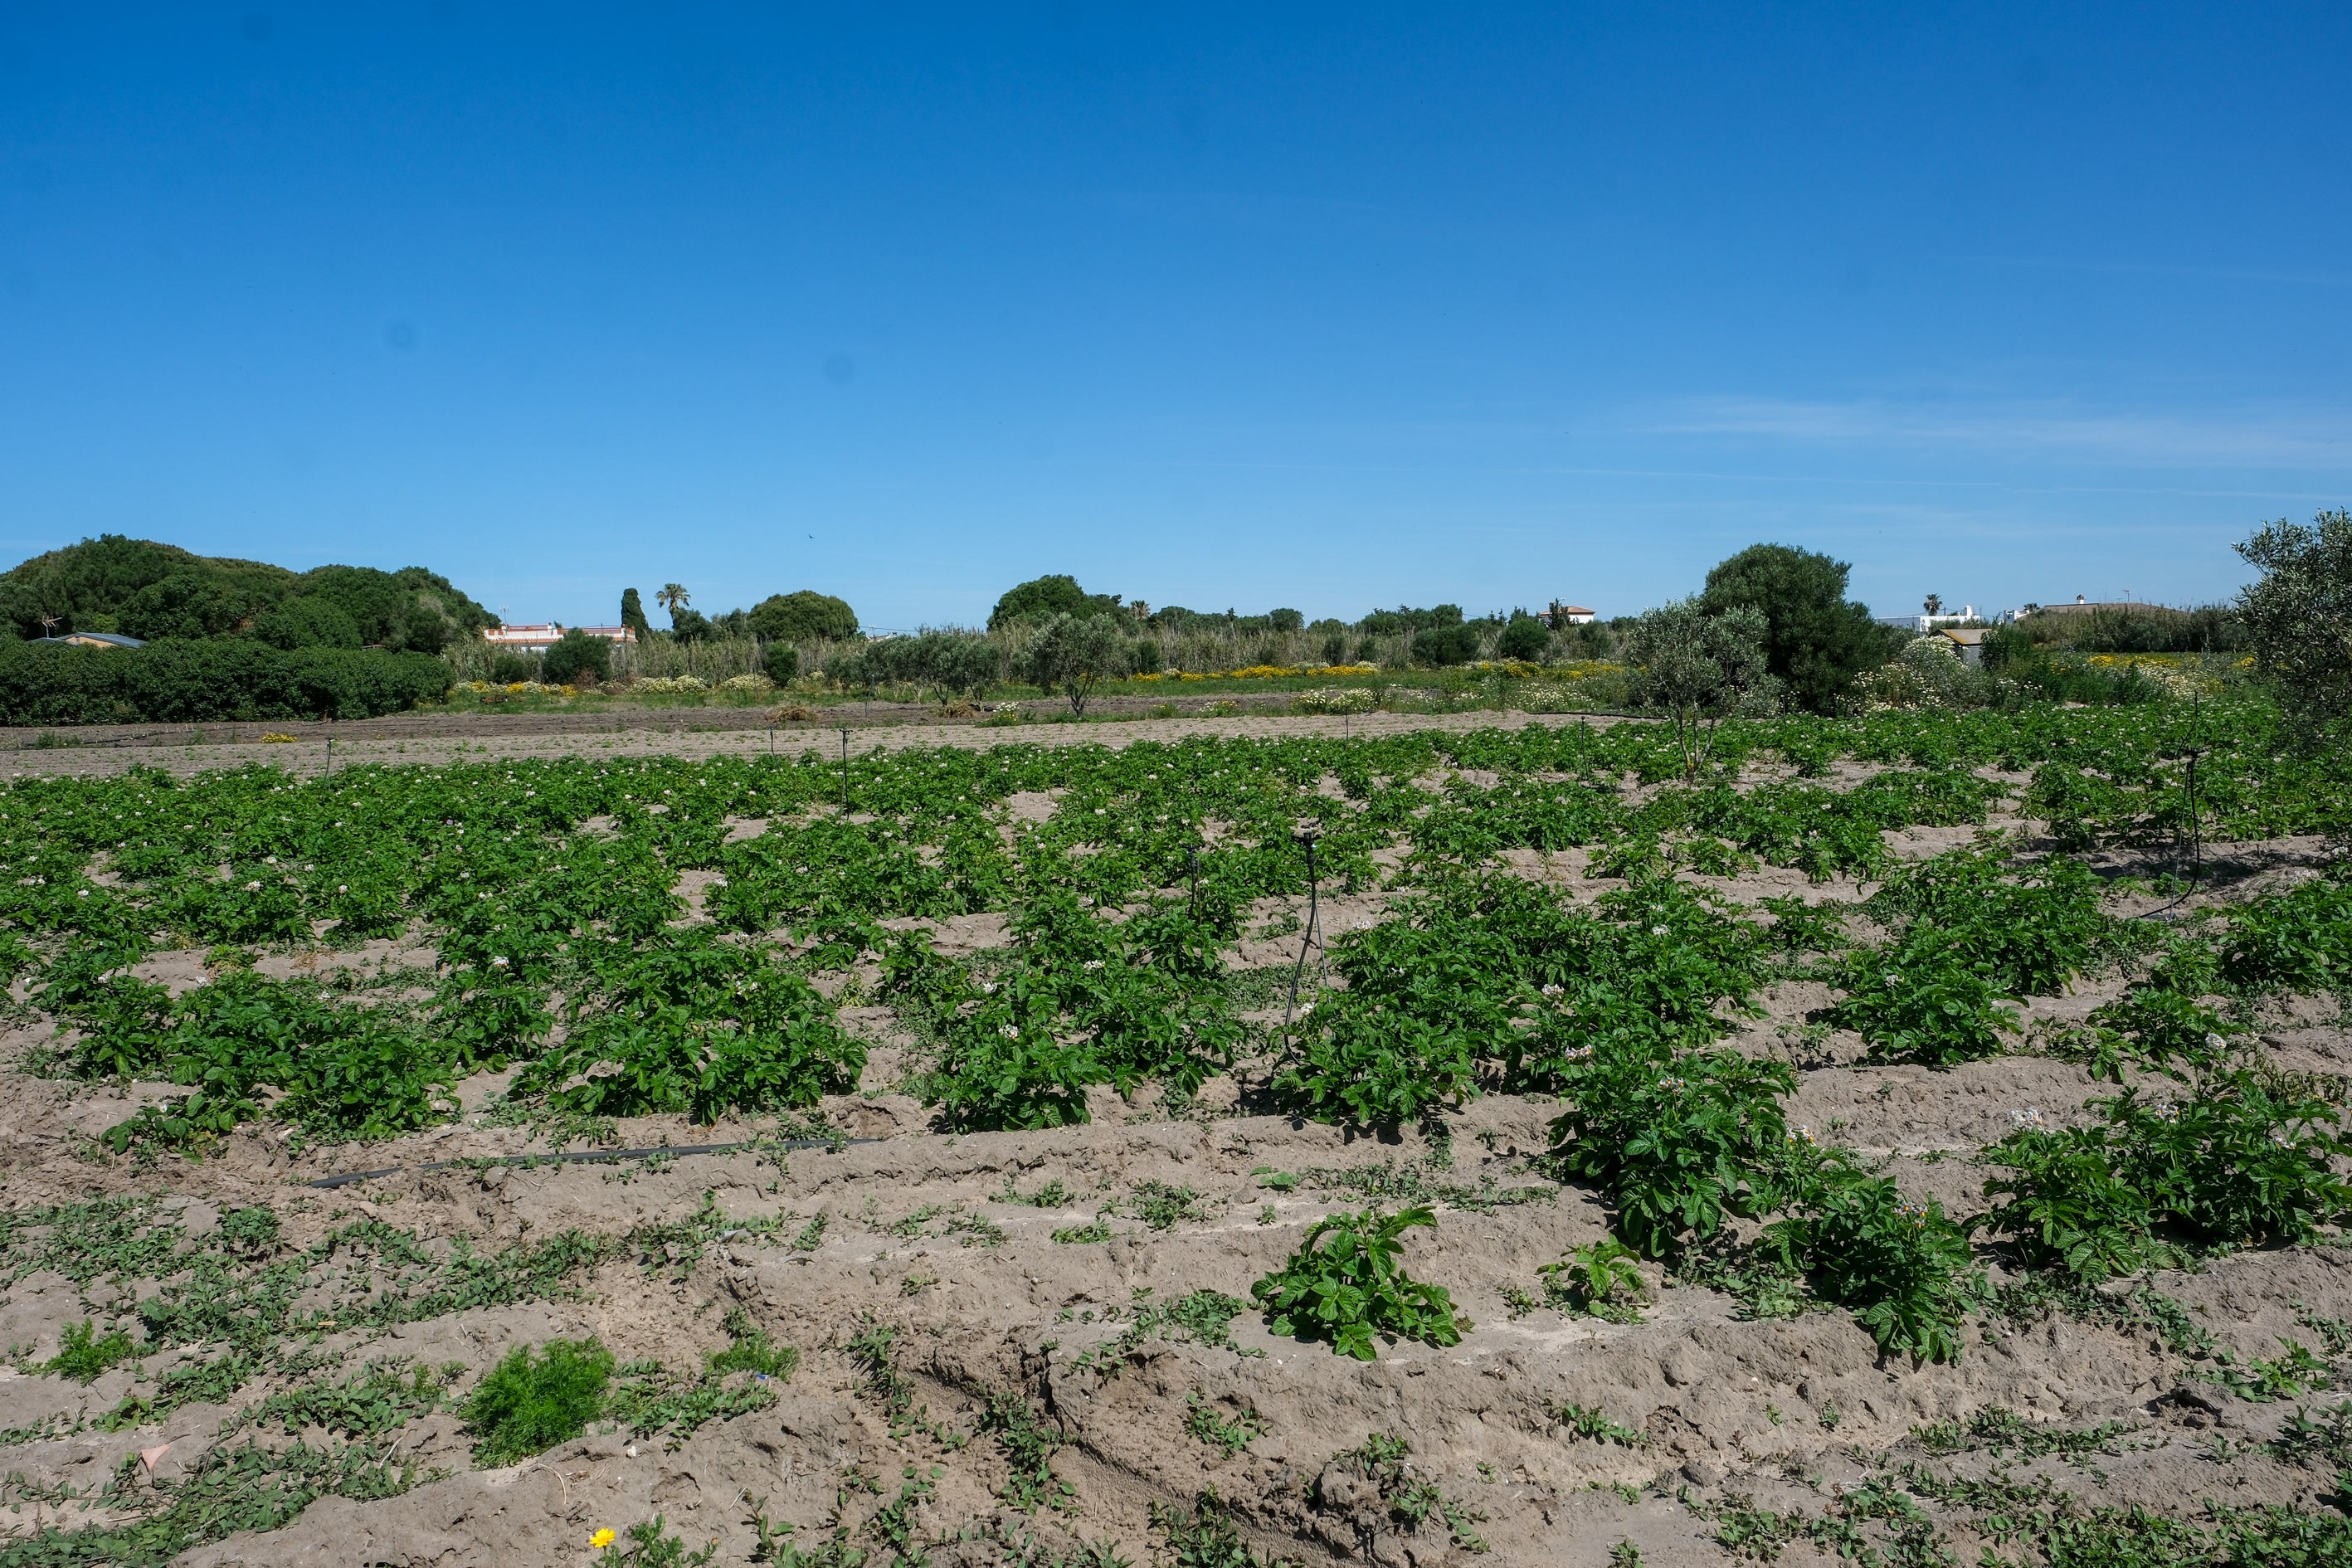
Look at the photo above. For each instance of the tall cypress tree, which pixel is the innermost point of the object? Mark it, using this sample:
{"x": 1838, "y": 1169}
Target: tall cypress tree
{"x": 632, "y": 612}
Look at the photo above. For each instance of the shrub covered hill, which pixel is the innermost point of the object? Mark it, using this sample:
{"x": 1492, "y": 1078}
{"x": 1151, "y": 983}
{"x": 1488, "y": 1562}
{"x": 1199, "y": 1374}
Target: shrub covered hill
{"x": 160, "y": 592}
{"x": 225, "y": 639}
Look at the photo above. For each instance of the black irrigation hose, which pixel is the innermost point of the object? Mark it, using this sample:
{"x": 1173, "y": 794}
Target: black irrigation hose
{"x": 348, "y": 1177}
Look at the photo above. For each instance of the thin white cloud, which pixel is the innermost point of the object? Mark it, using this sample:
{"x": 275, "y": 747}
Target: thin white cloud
{"x": 2300, "y": 438}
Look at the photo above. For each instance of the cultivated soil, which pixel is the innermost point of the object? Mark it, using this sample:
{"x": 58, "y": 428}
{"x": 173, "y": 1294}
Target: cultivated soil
{"x": 939, "y": 1238}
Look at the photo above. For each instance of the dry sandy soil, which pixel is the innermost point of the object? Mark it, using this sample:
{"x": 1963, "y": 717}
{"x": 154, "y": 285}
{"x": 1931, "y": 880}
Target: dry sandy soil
{"x": 922, "y": 1232}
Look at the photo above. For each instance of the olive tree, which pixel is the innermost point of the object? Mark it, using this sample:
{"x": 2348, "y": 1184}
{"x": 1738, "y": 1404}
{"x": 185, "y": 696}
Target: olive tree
{"x": 1701, "y": 670}
{"x": 2298, "y": 616}
{"x": 1071, "y": 654}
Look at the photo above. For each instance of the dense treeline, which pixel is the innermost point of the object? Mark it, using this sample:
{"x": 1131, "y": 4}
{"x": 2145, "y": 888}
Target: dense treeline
{"x": 166, "y": 682}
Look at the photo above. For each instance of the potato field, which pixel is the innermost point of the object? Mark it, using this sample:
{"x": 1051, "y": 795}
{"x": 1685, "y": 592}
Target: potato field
{"x": 1909, "y": 1139}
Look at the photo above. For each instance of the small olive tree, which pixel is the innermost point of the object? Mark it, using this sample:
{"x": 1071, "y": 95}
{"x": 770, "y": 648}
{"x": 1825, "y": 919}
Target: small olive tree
{"x": 2298, "y": 617}
{"x": 1701, "y": 670}
{"x": 1072, "y": 654}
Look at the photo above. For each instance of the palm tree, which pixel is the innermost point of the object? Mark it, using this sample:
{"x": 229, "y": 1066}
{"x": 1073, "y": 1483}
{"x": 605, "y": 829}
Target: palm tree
{"x": 1935, "y": 605}
{"x": 672, "y": 597}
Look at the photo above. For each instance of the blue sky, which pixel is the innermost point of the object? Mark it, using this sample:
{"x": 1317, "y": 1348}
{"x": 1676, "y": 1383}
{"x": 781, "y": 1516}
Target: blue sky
{"x": 1332, "y": 307}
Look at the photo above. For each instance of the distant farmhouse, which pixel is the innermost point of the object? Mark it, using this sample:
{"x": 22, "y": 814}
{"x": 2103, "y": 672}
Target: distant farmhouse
{"x": 1926, "y": 624}
{"x": 1562, "y": 614}
{"x": 540, "y": 638}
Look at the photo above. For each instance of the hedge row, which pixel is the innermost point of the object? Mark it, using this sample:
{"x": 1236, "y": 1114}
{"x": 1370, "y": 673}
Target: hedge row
{"x": 166, "y": 682}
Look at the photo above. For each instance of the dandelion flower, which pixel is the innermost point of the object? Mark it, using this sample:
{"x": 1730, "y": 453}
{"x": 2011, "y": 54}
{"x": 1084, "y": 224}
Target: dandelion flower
{"x": 601, "y": 1540}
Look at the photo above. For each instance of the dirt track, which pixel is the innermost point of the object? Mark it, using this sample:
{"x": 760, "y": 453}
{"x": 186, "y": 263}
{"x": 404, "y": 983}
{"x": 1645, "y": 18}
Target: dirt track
{"x": 711, "y": 733}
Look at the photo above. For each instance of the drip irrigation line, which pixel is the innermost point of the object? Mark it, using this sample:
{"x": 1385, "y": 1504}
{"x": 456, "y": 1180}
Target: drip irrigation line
{"x": 569, "y": 1156}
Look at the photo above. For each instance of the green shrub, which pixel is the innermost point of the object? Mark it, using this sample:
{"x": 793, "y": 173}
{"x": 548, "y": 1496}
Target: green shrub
{"x": 1526, "y": 638}
{"x": 1347, "y": 1284}
{"x": 1679, "y": 1143}
{"x": 804, "y": 616}
{"x": 529, "y": 1403}
{"x": 575, "y": 655}
{"x": 1442, "y": 645}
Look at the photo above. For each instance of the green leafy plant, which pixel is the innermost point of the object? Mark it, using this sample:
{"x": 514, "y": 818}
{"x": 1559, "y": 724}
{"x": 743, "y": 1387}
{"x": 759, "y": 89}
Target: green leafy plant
{"x": 1205, "y": 1536}
{"x": 1903, "y": 1267}
{"x": 2236, "y": 1163}
{"x": 692, "y": 1024}
{"x": 2065, "y": 1206}
{"x": 1413, "y": 1498}
{"x": 648, "y": 1544}
{"x": 531, "y": 1401}
{"x": 1588, "y": 1422}
{"x": 1679, "y": 1143}
{"x": 1347, "y": 1284}
{"x": 1028, "y": 1441}
{"x": 1600, "y": 1278}
{"x": 1230, "y": 1434}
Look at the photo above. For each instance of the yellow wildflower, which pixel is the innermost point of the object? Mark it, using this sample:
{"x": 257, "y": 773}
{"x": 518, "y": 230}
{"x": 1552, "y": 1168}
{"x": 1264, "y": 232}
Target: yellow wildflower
{"x": 601, "y": 1540}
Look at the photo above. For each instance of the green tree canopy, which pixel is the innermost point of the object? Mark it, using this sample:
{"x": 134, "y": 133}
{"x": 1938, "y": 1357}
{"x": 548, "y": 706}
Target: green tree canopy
{"x": 1702, "y": 669}
{"x": 306, "y": 621}
{"x": 632, "y": 612}
{"x": 804, "y": 616}
{"x": 161, "y": 591}
{"x": 1816, "y": 641}
{"x": 1405, "y": 618}
{"x": 1072, "y": 653}
{"x": 1042, "y": 598}
{"x": 2298, "y": 617}
{"x": 1526, "y": 637}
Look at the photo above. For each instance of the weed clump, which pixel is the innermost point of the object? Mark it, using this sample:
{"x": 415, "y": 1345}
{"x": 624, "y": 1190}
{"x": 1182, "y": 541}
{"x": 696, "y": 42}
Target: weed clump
{"x": 529, "y": 1403}
{"x": 86, "y": 1355}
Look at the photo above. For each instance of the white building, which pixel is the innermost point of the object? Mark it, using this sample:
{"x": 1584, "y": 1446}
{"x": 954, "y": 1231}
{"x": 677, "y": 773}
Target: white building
{"x": 540, "y": 638}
